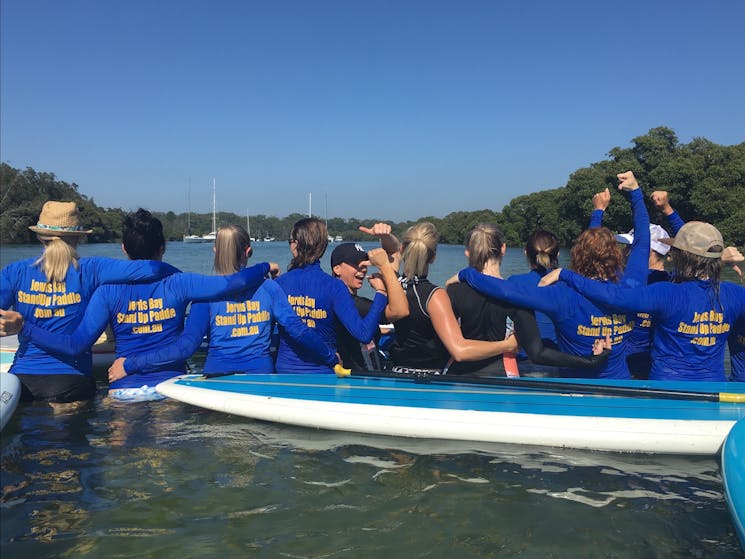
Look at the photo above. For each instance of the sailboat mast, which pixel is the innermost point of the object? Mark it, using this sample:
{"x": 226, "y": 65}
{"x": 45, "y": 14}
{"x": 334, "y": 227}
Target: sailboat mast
{"x": 248, "y": 224}
{"x": 310, "y": 205}
{"x": 188, "y": 213}
{"x": 214, "y": 214}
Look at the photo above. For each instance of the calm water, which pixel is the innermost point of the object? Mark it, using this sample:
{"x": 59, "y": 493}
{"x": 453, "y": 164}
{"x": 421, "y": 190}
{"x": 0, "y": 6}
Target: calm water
{"x": 170, "y": 480}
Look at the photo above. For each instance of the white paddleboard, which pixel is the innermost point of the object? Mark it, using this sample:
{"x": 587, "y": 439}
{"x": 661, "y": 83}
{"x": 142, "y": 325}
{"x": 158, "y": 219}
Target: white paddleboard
{"x": 10, "y": 392}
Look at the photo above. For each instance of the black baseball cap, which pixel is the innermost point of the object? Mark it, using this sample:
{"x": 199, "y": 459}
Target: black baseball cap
{"x": 351, "y": 253}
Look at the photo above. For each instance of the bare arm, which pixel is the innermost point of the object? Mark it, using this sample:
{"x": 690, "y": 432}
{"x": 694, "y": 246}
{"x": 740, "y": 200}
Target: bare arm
{"x": 388, "y": 242}
{"x": 448, "y": 330}
{"x": 398, "y": 306}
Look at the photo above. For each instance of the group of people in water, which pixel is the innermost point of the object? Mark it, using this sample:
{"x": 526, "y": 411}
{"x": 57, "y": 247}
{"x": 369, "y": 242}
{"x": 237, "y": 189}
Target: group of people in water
{"x": 618, "y": 314}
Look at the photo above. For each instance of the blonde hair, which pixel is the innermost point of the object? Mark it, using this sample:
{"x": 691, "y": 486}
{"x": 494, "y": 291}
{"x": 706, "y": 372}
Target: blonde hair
{"x": 484, "y": 243}
{"x": 231, "y": 243}
{"x": 419, "y": 248}
{"x": 59, "y": 253}
{"x": 542, "y": 251}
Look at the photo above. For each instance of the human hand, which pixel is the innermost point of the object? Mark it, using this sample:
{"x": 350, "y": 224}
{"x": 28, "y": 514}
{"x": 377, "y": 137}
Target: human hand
{"x": 376, "y": 282}
{"x": 273, "y": 269}
{"x": 512, "y": 345}
{"x": 378, "y": 257}
{"x": 661, "y": 202}
{"x": 452, "y": 279}
{"x": 550, "y": 278}
{"x": 601, "y": 344}
{"x": 628, "y": 181}
{"x": 730, "y": 255}
{"x": 116, "y": 371}
{"x": 378, "y": 230}
{"x": 11, "y": 322}
{"x": 601, "y": 200}
{"x": 384, "y": 232}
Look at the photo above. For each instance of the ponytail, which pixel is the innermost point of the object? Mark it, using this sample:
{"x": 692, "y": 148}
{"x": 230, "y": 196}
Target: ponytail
{"x": 231, "y": 244}
{"x": 57, "y": 257}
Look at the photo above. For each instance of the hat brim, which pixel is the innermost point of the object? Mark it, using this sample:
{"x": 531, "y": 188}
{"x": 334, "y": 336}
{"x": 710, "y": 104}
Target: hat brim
{"x": 624, "y": 239}
{"x": 59, "y": 233}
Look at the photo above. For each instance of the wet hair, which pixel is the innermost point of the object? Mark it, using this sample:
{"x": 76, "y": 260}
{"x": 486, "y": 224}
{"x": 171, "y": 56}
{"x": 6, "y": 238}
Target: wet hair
{"x": 419, "y": 248}
{"x": 231, "y": 243}
{"x": 542, "y": 251}
{"x": 484, "y": 242}
{"x": 312, "y": 238}
{"x": 691, "y": 267}
{"x": 59, "y": 253}
{"x": 596, "y": 255}
{"x": 143, "y": 237}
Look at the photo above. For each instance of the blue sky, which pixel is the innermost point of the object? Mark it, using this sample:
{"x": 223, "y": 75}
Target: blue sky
{"x": 389, "y": 109}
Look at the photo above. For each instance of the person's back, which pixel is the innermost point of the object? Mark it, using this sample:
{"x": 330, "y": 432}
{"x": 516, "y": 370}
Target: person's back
{"x": 481, "y": 318}
{"x": 542, "y": 253}
{"x": 321, "y": 301}
{"x": 416, "y": 344}
{"x": 52, "y": 292}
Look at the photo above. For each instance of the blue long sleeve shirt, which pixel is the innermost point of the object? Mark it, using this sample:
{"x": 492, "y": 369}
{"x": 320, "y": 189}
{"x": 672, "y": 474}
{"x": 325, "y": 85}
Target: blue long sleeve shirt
{"x": 144, "y": 317}
{"x": 239, "y": 330}
{"x": 58, "y": 307}
{"x": 324, "y": 304}
{"x": 691, "y": 324}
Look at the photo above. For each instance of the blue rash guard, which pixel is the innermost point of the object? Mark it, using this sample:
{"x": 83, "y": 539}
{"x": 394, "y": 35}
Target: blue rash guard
{"x": 545, "y": 324}
{"x": 324, "y": 303}
{"x": 736, "y": 340}
{"x": 59, "y": 307}
{"x": 240, "y": 330}
{"x": 578, "y": 321}
{"x": 691, "y": 324}
{"x": 639, "y": 340}
{"x": 144, "y": 318}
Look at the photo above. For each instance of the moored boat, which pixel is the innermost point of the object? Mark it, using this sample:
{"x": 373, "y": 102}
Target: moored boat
{"x": 534, "y": 412}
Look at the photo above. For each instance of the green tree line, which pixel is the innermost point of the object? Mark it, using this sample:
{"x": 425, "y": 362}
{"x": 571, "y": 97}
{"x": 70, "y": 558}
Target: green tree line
{"x": 706, "y": 182}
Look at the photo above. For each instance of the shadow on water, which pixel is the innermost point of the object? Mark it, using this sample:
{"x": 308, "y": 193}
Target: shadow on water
{"x": 164, "y": 479}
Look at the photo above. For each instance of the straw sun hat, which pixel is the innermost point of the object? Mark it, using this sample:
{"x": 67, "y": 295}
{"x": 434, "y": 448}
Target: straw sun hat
{"x": 59, "y": 219}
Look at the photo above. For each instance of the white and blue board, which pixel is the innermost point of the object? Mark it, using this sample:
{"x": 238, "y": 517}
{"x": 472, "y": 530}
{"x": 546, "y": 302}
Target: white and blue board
{"x": 733, "y": 476}
{"x": 468, "y": 412}
{"x": 10, "y": 393}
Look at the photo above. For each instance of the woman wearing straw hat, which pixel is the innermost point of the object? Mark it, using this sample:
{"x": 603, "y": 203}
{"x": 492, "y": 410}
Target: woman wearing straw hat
{"x": 52, "y": 291}
{"x": 692, "y": 317}
{"x": 145, "y": 316}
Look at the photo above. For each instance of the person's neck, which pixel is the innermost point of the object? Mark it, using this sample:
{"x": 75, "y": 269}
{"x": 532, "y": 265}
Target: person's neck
{"x": 656, "y": 263}
{"x": 492, "y": 269}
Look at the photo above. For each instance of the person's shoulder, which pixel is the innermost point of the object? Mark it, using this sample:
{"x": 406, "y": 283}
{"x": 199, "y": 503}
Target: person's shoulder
{"x": 458, "y": 288}
{"x": 732, "y": 288}
{"x": 270, "y": 287}
{"x": 527, "y": 277}
{"x": 20, "y": 264}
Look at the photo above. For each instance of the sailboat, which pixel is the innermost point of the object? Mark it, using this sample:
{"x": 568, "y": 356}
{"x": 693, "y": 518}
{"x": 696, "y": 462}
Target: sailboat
{"x": 189, "y": 237}
{"x": 210, "y": 237}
